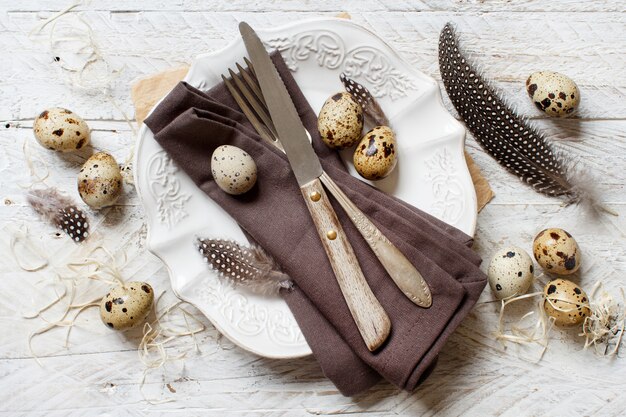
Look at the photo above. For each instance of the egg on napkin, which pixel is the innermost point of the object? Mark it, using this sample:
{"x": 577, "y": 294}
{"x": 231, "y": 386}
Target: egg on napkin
{"x": 566, "y": 302}
{"x": 233, "y": 169}
{"x": 100, "y": 181}
{"x": 510, "y": 272}
{"x": 553, "y": 93}
{"x": 340, "y": 121}
{"x": 60, "y": 129}
{"x": 375, "y": 156}
{"x": 557, "y": 251}
{"x": 126, "y": 305}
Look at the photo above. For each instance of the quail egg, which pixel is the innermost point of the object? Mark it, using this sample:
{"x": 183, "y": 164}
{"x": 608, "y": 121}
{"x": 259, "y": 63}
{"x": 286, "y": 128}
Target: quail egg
{"x": 126, "y": 305}
{"x": 100, "y": 181}
{"x": 510, "y": 272}
{"x": 340, "y": 121}
{"x": 375, "y": 156}
{"x": 566, "y": 302}
{"x": 557, "y": 251}
{"x": 61, "y": 130}
{"x": 233, "y": 169}
{"x": 553, "y": 93}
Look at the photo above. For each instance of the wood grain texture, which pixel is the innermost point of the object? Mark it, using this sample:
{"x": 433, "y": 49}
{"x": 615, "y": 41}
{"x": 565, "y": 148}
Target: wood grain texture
{"x": 369, "y": 315}
{"x": 98, "y": 374}
{"x": 508, "y": 49}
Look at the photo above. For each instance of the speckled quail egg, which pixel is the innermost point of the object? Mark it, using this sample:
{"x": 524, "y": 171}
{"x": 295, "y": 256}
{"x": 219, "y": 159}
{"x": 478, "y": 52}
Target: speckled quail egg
{"x": 557, "y": 251}
{"x": 100, "y": 181}
{"x": 553, "y": 93}
{"x": 340, "y": 121}
{"x": 566, "y": 302}
{"x": 375, "y": 156}
{"x": 61, "y": 130}
{"x": 510, "y": 272}
{"x": 126, "y": 305}
{"x": 233, "y": 169}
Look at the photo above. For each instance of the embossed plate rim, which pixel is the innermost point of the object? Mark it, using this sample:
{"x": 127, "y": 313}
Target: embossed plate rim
{"x": 426, "y": 89}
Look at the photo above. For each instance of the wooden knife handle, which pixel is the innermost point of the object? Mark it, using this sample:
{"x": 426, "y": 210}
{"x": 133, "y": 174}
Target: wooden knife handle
{"x": 369, "y": 316}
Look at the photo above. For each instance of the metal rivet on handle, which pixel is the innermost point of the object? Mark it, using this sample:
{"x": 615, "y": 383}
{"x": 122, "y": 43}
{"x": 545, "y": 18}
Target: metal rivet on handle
{"x": 331, "y": 234}
{"x": 315, "y": 196}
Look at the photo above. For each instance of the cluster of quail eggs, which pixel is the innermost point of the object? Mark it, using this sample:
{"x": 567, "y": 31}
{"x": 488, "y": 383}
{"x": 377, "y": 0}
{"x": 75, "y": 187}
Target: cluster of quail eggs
{"x": 99, "y": 185}
{"x": 511, "y": 273}
{"x": 100, "y": 178}
{"x": 340, "y": 124}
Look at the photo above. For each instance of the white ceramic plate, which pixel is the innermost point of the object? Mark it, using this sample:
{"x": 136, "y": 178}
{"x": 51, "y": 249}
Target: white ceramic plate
{"x": 431, "y": 173}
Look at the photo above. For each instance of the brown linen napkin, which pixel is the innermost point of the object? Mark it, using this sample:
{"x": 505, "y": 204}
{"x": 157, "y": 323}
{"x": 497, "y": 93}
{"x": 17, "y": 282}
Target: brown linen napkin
{"x": 190, "y": 124}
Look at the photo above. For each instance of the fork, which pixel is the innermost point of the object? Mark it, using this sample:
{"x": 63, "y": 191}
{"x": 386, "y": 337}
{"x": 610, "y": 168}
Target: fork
{"x": 247, "y": 93}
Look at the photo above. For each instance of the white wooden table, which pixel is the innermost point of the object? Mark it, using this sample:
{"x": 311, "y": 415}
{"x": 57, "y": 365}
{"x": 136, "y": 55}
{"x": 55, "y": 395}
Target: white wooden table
{"x": 99, "y": 374}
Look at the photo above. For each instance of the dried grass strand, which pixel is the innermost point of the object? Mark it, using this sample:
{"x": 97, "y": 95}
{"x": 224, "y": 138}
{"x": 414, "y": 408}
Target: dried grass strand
{"x": 605, "y": 326}
{"x": 152, "y": 349}
{"x": 537, "y": 333}
{"x": 32, "y": 169}
{"x": 22, "y": 234}
{"x": 103, "y": 270}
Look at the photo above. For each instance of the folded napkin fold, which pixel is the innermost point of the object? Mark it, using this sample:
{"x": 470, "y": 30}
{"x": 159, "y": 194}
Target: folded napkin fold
{"x": 189, "y": 124}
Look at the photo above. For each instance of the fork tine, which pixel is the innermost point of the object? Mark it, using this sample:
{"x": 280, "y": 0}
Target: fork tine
{"x": 250, "y": 67}
{"x": 252, "y": 101}
{"x": 243, "y": 105}
{"x": 251, "y": 82}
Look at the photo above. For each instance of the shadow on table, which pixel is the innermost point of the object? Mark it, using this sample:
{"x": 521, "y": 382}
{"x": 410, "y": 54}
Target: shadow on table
{"x": 454, "y": 365}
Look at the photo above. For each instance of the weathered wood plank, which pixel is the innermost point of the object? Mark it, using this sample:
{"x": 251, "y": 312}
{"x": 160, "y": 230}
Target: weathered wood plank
{"x": 508, "y": 49}
{"x": 327, "y": 6}
{"x": 99, "y": 372}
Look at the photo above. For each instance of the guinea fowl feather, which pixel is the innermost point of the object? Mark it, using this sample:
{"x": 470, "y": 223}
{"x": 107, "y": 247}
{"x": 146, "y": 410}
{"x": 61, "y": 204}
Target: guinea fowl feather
{"x": 249, "y": 267}
{"x": 61, "y": 211}
{"x": 505, "y": 135}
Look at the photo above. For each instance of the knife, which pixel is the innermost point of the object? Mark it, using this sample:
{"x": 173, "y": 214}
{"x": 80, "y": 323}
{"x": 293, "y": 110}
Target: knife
{"x": 368, "y": 314}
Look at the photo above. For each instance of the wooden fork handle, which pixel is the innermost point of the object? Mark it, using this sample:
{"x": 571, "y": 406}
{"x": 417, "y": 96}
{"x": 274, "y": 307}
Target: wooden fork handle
{"x": 369, "y": 315}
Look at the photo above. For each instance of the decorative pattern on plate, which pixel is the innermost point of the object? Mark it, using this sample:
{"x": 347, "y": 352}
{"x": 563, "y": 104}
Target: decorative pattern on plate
{"x": 318, "y": 49}
{"x": 449, "y": 200}
{"x": 164, "y": 188}
{"x": 365, "y": 62}
{"x": 249, "y": 318}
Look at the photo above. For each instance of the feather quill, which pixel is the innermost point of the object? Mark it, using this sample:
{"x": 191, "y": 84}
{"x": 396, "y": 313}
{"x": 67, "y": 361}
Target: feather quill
{"x": 246, "y": 266}
{"x": 505, "y": 135}
{"x": 368, "y": 103}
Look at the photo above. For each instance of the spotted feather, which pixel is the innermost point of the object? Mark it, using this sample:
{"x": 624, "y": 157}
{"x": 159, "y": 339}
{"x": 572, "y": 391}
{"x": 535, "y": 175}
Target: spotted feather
{"x": 245, "y": 266}
{"x": 368, "y": 103}
{"x": 505, "y": 135}
{"x": 61, "y": 211}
